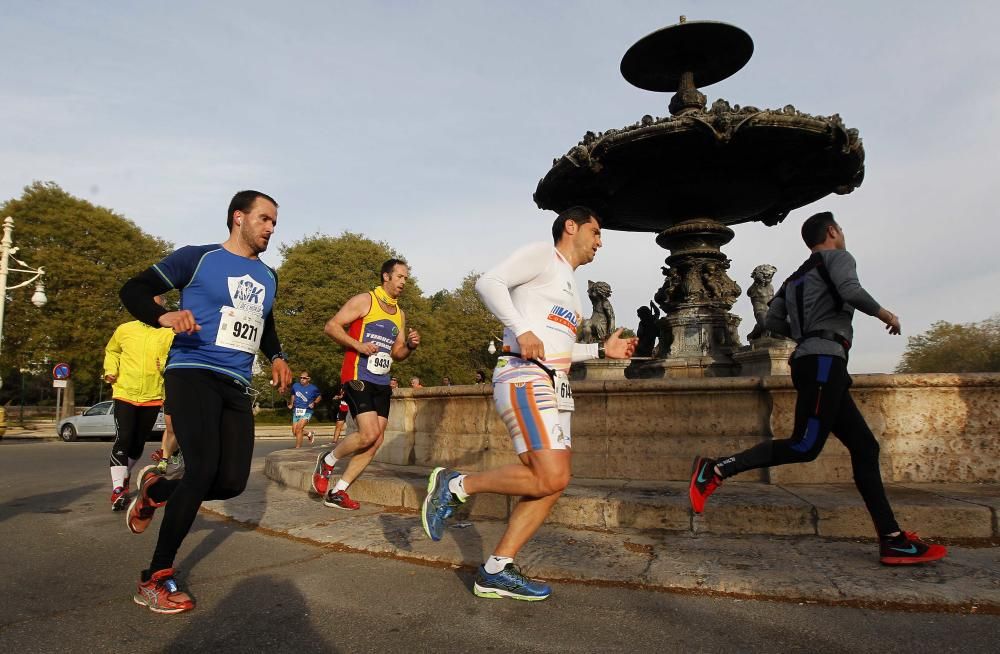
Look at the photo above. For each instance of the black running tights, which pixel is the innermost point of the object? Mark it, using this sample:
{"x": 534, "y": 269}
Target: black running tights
{"x": 214, "y": 427}
{"x": 133, "y": 426}
{"x": 824, "y": 404}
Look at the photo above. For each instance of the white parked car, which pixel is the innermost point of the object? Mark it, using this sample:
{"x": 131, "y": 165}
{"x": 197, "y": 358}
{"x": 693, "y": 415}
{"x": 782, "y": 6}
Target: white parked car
{"x": 98, "y": 422}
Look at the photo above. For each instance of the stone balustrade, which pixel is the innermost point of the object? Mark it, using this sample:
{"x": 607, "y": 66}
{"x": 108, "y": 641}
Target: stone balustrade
{"x": 932, "y": 428}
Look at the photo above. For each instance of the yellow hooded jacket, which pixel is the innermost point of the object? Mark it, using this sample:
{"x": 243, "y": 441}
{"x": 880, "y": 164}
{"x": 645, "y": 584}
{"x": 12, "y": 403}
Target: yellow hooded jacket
{"x": 137, "y": 354}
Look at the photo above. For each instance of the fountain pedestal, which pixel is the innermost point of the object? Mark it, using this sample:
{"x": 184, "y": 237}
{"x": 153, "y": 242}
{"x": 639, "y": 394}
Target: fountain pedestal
{"x": 765, "y": 356}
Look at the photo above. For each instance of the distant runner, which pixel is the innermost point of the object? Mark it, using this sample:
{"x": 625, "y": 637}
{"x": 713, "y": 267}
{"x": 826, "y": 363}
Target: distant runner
{"x": 305, "y": 397}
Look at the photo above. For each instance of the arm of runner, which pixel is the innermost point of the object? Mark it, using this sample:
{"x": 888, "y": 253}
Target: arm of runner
{"x": 405, "y": 345}
{"x": 584, "y": 351}
{"x": 354, "y": 309}
{"x": 495, "y": 285}
{"x": 617, "y": 347}
{"x": 776, "y": 319}
{"x": 112, "y": 357}
{"x": 844, "y": 273}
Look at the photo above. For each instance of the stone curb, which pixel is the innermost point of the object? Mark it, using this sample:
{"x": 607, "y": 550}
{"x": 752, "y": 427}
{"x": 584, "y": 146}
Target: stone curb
{"x": 950, "y": 511}
{"x": 784, "y": 568}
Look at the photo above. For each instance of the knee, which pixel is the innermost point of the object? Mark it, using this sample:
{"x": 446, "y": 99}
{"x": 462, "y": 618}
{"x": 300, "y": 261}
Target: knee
{"x": 370, "y": 439}
{"x": 227, "y": 491}
{"x": 553, "y": 483}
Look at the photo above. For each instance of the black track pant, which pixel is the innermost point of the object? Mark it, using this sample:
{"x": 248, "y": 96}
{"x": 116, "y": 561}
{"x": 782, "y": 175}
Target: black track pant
{"x": 133, "y": 426}
{"x": 214, "y": 427}
{"x": 824, "y": 404}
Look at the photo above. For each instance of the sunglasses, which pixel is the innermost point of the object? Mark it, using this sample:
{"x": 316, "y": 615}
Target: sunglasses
{"x": 305, "y": 378}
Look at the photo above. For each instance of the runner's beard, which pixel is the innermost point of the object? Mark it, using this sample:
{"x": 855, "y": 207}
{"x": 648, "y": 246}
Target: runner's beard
{"x": 249, "y": 241}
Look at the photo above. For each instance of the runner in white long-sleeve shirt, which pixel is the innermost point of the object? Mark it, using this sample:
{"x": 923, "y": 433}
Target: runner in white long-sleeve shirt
{"x": 534, "y": 295}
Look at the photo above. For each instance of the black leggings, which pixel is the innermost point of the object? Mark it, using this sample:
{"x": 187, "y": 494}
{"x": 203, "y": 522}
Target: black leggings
{"x": 214, "y": 427}
{"x": 824, "y": 404}
{"x": 133, "y": 426}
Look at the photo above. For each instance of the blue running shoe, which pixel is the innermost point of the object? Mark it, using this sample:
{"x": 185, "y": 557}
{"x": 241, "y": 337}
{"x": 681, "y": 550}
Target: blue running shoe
{"x": 440, "y": 503}
{"x": 509, "y": 582}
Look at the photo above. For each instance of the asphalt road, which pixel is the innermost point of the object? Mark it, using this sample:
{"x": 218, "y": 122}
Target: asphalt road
{"x": 69, "y": 566}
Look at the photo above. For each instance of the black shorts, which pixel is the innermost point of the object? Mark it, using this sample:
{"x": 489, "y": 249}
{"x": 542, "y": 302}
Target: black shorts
{"x": 363, "y": 397}
{"x": 342, "y": 415}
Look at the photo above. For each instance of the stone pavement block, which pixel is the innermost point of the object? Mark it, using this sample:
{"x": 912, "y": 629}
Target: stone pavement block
{"x": 978, "y": 494}
{"x": 750, "y": 508}
{"x": 790, "y": 568}
{"x": 841, "y": 512}
{"x": 649, "y": 505}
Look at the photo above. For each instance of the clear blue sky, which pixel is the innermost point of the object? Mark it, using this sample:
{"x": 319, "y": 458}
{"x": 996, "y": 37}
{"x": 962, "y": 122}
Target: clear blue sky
{"x": 428, "y": 125}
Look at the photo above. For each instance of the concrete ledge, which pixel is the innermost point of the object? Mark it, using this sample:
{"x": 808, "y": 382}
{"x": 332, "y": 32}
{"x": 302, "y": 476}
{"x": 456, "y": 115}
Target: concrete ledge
{"x": 784, "y": 568}
{"x": 953, "y": 511}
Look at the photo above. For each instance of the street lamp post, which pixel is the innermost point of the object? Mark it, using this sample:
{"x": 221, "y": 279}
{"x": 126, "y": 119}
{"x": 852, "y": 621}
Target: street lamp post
{"x": 7, "y": 253}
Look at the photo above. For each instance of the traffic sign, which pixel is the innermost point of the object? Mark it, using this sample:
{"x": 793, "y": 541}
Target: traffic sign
{"x": 59, "y": 383}
{"x": 60, "y": 371}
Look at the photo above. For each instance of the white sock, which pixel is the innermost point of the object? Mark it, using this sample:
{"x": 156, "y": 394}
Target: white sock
{"x": 457, "y": 487}
{"x": 495, "y": 563}
{"x": 118, "y": 474}
{"x": 340, "y": 486}
{"x": 329, "y": 459}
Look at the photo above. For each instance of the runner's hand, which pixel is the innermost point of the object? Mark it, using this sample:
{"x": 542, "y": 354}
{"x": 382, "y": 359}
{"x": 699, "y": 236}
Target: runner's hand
{"x": 893, "y": 326}
{"x": 182, "y": 322}
{"x": 111, "y": 379}
{"x": 413, "y": 339}
{"x": 281, "y": 375}
{"x": 367, "y": 349}
{"x": 531, "y": 346}
{"x": 619, "y": 348}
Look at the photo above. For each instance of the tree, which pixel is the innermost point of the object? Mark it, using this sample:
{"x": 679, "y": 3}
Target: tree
{"x": 320, "y": 273}
{"x": 87, "y": 252}
{"x": 947, "y": 347}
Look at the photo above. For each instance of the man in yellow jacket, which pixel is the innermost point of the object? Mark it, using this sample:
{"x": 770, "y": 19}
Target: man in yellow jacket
{"x": 133, "y": 364}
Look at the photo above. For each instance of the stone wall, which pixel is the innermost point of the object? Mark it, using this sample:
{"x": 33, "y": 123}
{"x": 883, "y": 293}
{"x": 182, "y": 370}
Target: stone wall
{"x": 940, "y": 427}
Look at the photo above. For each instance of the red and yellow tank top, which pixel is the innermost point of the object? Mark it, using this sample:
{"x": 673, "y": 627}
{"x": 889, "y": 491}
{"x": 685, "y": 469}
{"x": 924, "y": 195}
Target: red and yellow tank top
{"x": 380, "y": 328}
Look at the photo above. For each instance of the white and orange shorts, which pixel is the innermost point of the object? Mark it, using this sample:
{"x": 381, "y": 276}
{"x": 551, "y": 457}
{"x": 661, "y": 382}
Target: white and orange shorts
{"x": 528, "y": 408}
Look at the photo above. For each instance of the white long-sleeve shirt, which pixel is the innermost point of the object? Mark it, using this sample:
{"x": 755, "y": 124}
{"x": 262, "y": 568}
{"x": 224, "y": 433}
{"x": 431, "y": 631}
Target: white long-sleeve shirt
{"x": 534, "y": 290}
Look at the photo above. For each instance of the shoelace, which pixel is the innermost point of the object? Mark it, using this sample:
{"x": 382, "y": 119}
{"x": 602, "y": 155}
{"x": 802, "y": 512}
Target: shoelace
{"x": 518, "y": 576}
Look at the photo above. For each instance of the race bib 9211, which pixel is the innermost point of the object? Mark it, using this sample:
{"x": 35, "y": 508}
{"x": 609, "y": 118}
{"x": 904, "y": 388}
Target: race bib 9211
{"x": 239, "y": 330}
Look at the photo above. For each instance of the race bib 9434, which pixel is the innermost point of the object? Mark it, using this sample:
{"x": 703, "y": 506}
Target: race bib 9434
{"x": 379, "y": 363}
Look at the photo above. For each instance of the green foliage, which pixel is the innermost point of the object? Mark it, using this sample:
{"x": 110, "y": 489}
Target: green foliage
{"x": 87, "y": 252}
{"x": 947, "y": 347}
{"x": 320, "y": 273}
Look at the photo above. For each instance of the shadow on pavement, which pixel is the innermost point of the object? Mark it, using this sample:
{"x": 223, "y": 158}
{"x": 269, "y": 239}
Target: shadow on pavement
{"x": 261, "y": 614}
{"x": 54, "y": 502}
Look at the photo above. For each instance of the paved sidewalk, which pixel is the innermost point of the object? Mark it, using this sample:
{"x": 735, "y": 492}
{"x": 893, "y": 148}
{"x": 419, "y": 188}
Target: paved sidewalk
{"x": 787, "y": 568}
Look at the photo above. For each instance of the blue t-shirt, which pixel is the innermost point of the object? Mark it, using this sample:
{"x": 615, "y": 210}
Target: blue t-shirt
{"x": 304, "y": 395}
{"x": 230, "y": 297}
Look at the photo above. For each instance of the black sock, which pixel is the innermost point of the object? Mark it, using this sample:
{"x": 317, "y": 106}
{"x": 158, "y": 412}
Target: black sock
{"x": 145, "y": 576}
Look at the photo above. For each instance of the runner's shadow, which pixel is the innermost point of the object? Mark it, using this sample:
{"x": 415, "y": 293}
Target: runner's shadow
{"x": 261, "y": 614}
{"x": 54, "y": 502}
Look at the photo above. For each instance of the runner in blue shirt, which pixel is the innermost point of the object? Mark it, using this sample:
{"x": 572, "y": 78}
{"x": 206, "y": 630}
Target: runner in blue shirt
{"x": 227, "y": 296}
{"x": 305, "y": 397}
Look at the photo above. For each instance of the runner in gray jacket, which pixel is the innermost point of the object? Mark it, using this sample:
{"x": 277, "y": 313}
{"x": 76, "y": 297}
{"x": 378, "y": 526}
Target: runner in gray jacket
{"x": 815, "y": 307}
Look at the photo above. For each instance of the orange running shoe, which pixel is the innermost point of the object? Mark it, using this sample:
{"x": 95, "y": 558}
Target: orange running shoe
{"x": 161, "y": 595}
{"x": 142, "y": 508}
{"x": 907, "y": 549}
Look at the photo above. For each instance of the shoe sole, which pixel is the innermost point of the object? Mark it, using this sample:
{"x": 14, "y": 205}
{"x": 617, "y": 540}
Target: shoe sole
{"x": 691, "y": 487}
{"x": 316, "y": 471}
{"x": 431, "y": 483}
{"x": 910, "y": 560}
{"x": 342, "y": 508}
{"x": 498, "y": 593}
{"x": 135, "y": 500}
{"x": 154, "y": 609}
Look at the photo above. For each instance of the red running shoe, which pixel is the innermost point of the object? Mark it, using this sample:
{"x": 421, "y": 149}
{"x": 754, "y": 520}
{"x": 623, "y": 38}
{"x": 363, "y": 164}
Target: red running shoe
{"x": 161, "y": 595}
{"x": 907, "y": 549}
{"x": 321, "y": 474}
{"x": 119, "y": 499}
{"x": 704, "y": 481}
{"x": 341, "y": 500}
{"x": 142, "y": 508}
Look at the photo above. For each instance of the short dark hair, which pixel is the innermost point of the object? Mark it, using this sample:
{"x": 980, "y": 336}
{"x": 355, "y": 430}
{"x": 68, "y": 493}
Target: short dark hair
{"x": 388, "y": 266}
{"x": 814, "y": 228}
{"x": 243, "y": 202}
{"x": 579, "y": 214}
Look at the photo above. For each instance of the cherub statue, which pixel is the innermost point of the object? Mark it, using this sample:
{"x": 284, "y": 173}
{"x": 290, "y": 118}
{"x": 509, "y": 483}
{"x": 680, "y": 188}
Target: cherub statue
{"x": 601, "y": 322}
{"x": 648, "y": 330}
{"x": 760, "y": 294}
